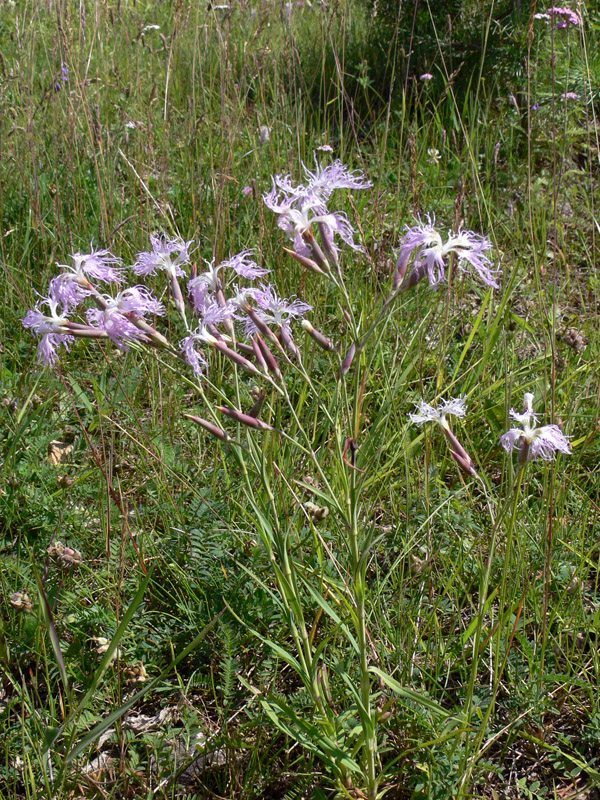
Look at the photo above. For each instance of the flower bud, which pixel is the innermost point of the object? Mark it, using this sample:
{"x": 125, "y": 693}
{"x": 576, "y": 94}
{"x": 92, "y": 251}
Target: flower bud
{"x": 268, "y": 356}
{"x": 245, "y": 419}
{"x": 347, "y": 362}
{"x": 305, "y": 261}
{"x": 208, "y": 426}
{"x": 318, "y": 337}
{"x": 237, "y": 358}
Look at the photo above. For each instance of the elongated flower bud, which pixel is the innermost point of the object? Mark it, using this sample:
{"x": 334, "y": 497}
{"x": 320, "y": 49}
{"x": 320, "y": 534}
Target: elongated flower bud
{"x": 245, "y": 419}
{"x": 260, "y": 359}
{"x": 208, "y": 426}
{"x": 318, "y": 337}
{"x": 305, "y": 261}
{"x": 347, "y": 362}
{"x": 257, "y": 407}
{"x": 318, "y": 254}
{"x": 268, "y": 356}
{"x": 261, "y": 324}
{"x": 464, "y": 464}
{"x": 237, "y": 358}
{"x": 289, "y": 342}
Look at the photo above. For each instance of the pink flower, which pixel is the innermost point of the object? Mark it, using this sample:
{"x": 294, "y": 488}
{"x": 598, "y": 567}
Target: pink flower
{"x": 53, "y": 328}
{"x": 274, "y": 310}
{"x": 431, "y": 253}
{"x": 161, "y": 257}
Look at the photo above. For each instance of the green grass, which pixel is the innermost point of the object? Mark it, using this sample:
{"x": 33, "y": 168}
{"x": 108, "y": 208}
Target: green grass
{"x": 478, "y": 690}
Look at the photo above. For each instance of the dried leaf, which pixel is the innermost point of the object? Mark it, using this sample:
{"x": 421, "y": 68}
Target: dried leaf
{"x": 58, "y": 452}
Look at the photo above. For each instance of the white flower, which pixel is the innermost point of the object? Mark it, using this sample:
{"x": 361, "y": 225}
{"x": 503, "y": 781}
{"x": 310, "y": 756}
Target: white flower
{"x": 426, "y": 413}
{"x": 534, "y": 442}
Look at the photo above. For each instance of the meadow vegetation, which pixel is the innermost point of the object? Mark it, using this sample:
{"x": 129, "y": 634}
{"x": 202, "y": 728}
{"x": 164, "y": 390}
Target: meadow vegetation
{"x": 353, "y": 589}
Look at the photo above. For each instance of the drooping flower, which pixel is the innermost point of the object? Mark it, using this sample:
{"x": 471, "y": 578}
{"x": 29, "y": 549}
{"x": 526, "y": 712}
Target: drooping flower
{"x": 53, "y": 328}
{"x": 431, "y": 252}
{"x": 297, "y": 215}
{"x": 531, "y": 441}
{"x": 167, "y": 255}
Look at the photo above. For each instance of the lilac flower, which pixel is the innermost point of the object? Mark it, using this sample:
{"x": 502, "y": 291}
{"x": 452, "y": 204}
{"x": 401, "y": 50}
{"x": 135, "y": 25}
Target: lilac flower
{"x": 68, "y": 291}
{"x": 569, "y": 96}
{"x": 431, "y": 251}
{"x": 73, "y": 285}
{"x": 564, "y": 17}
{"x": 323, "y": 181}
{"x": 204, "y": 286}
{"x": 298, "y": 221}
{"x": 53, "y": 329}
{"x": 213, "y": 315}
{"x": 533, "y": 442}
{"x": 426, "y": 76}
{"x": 138, "y": 300}
{"x": 274, "y": 310}
{"x": 247, "y": 191}
{"x": 117, "y": 317}
{"x": 426, "y": 413}
{"x": 161, "y": 257}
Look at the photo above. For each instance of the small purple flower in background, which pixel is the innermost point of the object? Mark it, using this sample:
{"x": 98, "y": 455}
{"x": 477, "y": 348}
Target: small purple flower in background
{"x": 53, "y": 328}
{"x": 431, "y": 251}
{"x": 161, "y": 257}
{"x": 426, "y": 76}
{"x": 62, "y": 78}
{"x": 535, "y": 107}
{"x": 563, "y": 17}
{"x": 568, "y": 96}
{"x": 426, "y": 413}
{"x": 533, "y": 442}
{"x": 274, "y": 310}
{"x": 247, "y": 191}
{"x": 323, "y": 181}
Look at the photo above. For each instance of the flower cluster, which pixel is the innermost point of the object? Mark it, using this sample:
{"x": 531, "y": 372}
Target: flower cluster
{"x": 431, "y": 253}
{"x": 563, "y": 17}
{"x": 302, "y": 207}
